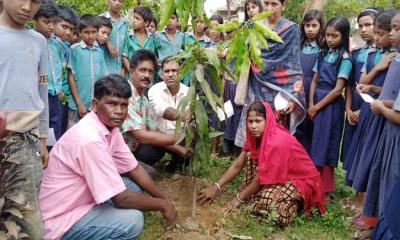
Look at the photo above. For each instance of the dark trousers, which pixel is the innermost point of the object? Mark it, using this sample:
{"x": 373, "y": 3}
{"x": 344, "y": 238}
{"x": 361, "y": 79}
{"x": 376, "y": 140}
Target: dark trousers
{"x": 56, "y": 115}
{"x": 150, "y": 155}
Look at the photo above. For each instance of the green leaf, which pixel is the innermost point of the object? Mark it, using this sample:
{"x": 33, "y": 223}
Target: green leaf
{"x": 168, "y": 10}
{"x": 261, "y": 39}
{"x": 214, "y": 60}
{"x": 229, "y": 26}
{"x": 255, "y": 51}
{"x": 232, "y": 47}
{"x": 266, "y": 31}
{"x": 11, "y": 227}
{"x": 217, "y": 79}
{"x": 199, "y": 73}
{"x": 15, "y": 212}
{"x": 182, "y": 105}
{"x": 245, "y": 68}
{"x": 215, "y": 134}
{"x": 209, "y": 94}
{"x": 261, "y": 16}
{"x": 201, "y": 119}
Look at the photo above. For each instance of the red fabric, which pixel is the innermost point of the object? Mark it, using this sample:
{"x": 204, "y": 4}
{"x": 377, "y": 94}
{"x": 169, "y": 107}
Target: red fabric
{"x": 328, "y": 178}
{"x": 283, "y": 159}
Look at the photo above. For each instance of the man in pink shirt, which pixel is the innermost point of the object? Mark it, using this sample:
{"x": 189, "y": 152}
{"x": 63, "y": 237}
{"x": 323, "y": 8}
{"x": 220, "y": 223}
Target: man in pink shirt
{"x": 82, "y": 195}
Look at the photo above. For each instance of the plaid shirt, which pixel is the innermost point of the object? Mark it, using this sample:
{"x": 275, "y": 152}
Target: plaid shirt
{"x": 140, "y": 116}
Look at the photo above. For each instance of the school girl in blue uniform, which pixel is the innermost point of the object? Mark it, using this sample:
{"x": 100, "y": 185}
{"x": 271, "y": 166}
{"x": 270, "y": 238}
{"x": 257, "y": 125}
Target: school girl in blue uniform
{"x": 353, "y": 100}
{"x": 370, "y": 126}
{"x": 326, "y": 106}
{"x": 312, "y": 28}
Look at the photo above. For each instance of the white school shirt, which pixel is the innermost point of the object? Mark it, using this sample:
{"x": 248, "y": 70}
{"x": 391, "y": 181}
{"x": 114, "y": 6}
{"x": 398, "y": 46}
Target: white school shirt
{"x": 160, "y": 99}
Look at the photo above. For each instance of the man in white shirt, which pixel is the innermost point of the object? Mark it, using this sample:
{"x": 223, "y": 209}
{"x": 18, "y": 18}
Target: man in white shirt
{"x": 165, "y": 96}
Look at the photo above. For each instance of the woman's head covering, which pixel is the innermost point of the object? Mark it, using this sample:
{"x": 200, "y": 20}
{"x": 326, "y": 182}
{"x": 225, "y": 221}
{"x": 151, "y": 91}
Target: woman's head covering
{"x": 281, "y": 158}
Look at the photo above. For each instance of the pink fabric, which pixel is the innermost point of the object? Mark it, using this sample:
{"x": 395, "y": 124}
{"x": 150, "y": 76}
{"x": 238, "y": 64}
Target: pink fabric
{"x": 281, "y": 158}
{"x": 328, "y": 178}
{"x": 84, "y": 170}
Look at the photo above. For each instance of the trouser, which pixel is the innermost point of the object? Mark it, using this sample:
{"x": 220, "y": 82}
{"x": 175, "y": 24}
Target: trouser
{"x": 56, "y": 114}
{"x": 73, "y": 118}
{"x": 23, "y": 148}
{"x": 105, "y": 221}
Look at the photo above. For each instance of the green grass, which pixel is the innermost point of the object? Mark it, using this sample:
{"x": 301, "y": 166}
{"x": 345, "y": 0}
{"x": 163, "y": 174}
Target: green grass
{"x": 335, "y": 224}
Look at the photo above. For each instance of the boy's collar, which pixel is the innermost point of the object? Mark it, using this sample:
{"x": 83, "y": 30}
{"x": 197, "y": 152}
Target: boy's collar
{"x": 84, "y": 45}
{"x": 132, "y": 32}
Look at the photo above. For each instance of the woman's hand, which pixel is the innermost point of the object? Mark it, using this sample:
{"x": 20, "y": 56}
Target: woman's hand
{"x": 377, "y": 106}
{"x": 385, "y": 62}
{"x": 289, "y": 108}
{"x": 363, "y": 88}
{"x": 232, "y": 204}
{"x": 312, "y": 112}
{"x": 355, "y": 116}
{"x": 208, "y": 194}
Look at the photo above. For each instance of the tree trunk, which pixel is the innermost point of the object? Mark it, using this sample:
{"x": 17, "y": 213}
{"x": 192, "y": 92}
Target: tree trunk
{"x": 228, "y": 8}
{"x": 315, "y": 4}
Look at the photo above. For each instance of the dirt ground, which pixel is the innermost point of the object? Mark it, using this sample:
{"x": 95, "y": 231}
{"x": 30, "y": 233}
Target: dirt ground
{"x": 210, "y": 220}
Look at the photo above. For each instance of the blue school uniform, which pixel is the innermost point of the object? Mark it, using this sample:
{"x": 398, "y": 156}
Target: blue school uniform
{"x": 388, "y": 227}
{"x": 366, "y": 137}
{"x": 385, "y": 167}
{"x": 165, "y": 47}
{"x": 65, "y": 52}
{"x": 308, "y": 57}
{"x": 55, "y": 75}
{"x": 117, "y": 38}
{"x": 87, "y": 65}
{"x": 359, "y": 58}
{"x": 328, "y": 123}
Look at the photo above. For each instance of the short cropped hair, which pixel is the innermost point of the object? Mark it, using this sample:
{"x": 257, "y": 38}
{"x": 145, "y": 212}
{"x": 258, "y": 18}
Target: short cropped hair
{"x": 217, "y": 18}
{"x": 104, "y": 22}
{"x": 47, "y": 9}
{"x": 112, "y": 85}
{"x": 154, "y": 20}
{"x": 144, "y": 12}
{"x": 68, "y": 15}
{"x": 167, "y": 60}
{"x": 87, "y": 21}
{"x": 142, "y": 55}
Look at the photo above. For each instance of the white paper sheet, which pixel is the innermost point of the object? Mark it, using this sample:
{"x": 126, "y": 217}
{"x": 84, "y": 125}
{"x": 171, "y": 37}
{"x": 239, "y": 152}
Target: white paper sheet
{"x": 228, "y": 110}
{"x": 280, "y": 102}
{"x": 367, "y": 98}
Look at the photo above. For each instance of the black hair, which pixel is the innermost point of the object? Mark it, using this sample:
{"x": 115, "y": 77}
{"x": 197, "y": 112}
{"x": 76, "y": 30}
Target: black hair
{"x": 104, "y": 22}
{"x": 217, "y": 18}
{"x": 142, "y": 55}
{"x": 259, "y": 108}
{"x": 87, "y": 21}
{"x": 47, "y": 9}
{"x": 384, "y": 19}
{"x": 341, "y": 25}
{"x": 167, "y": 60}
{"x": 112, "y": 85}
{"x": 256, "y": 2}
{"x": 154, "y": 20}
{"x": 68, "y": 15}
{"x": 309, "y": 16}
{"x": 144, "y": 12}
{"x": 371, "y": 11}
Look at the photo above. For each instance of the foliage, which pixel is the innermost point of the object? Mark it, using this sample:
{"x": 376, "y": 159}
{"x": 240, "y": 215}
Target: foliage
{"x": 12, "y": 201}
{"x": 97, "y": 7}
{"x": 247, "y": 41}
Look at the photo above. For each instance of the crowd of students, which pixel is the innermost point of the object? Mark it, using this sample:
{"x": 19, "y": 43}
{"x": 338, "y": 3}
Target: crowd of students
{"x": 62, "y": 74}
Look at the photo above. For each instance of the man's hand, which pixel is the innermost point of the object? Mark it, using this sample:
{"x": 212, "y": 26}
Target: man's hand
{"x": 44, "y": 154}
{"x": 169, "y": 213}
